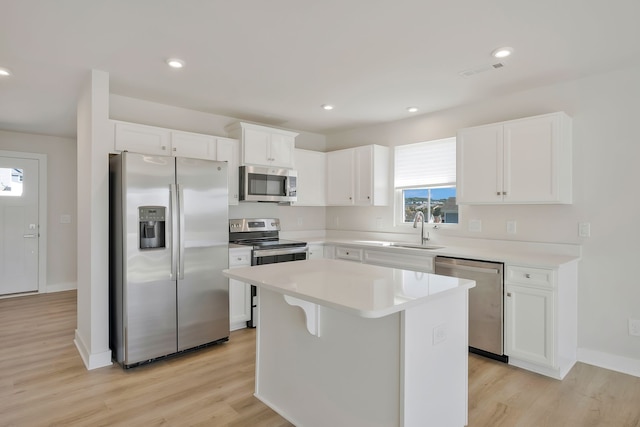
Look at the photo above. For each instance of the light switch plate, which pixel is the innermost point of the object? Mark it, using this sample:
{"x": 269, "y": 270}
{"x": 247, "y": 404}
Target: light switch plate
{"x": 584, "y": 229}
{"x": 65, "y": 219}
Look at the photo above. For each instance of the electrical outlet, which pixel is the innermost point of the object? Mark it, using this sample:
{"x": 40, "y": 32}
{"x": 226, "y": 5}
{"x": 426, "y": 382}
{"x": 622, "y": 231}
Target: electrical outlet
{"x": 584, "y": 229}
{"x": 299, "y": 221}
{"x": 475, "y": 225}
{"x": 634, "y": 327}
{"x": 511, "y": 227}
{"x": 439, "y": 334}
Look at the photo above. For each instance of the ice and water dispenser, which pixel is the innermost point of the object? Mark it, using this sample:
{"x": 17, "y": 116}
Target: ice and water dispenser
{"x": 152, "y": 226}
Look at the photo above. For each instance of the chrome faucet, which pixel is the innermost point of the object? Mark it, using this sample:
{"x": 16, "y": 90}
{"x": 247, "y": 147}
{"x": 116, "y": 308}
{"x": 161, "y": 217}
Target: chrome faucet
{"x": 420, "y": 217}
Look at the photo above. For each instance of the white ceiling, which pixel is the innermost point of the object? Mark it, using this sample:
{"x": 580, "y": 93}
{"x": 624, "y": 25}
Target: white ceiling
{"x": 277, "y": 61}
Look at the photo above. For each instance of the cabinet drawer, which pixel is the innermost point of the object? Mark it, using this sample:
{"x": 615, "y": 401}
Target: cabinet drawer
{"x": 404, "y": 261}
{"x": 530, "y": 276}
{"x": 242, "y": 259}
{"x": 350, "y": 254}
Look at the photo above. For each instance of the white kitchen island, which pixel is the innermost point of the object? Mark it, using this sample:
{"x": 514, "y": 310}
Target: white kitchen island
{"x": 347, "y": 344}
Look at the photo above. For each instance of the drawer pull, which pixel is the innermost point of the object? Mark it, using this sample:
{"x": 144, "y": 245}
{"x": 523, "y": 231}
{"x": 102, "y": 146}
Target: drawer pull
{"x": 527, "y": 275}
{"x": 509, "y": 294}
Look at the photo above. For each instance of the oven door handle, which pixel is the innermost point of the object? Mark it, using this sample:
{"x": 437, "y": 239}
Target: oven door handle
{"x": 281, "y": 251}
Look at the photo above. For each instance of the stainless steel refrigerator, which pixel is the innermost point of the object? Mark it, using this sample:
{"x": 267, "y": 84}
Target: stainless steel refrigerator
{"x": 168, "y": 247}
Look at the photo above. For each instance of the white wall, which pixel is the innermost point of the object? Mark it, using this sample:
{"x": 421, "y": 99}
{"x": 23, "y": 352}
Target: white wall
{"x": 605, "y": 109}
{"x": 61, "y": 179}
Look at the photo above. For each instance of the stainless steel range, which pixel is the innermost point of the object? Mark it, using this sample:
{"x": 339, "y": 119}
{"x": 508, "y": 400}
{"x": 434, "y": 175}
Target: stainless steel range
{"x": 263, "y": 235}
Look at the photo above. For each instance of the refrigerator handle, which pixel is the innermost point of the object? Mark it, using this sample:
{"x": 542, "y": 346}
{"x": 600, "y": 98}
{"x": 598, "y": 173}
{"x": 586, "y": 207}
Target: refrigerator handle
{"x": 174, "y": 230}
{"x": 181, "y": 235}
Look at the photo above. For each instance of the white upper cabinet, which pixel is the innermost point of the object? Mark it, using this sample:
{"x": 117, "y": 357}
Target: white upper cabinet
{"x": 312, "y": 177}
{"x": 228, "y": 150}
{"x": 516, "y": 162}
{"x": 143, "y": 139}
{"x": 167, "y": 142}
{"x": 340, "y": 176}
{"x": 358, "y": 176}
{"x": 194, "y": 145}
{"x": 264, "y": 146}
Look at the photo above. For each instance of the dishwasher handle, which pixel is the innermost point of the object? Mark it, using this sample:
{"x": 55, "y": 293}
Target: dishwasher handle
{"x": 467, "y": 268}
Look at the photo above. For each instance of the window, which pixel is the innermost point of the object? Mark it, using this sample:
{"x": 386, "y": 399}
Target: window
{"x": 11, "y": 182}
{"x": 425, "y": 180}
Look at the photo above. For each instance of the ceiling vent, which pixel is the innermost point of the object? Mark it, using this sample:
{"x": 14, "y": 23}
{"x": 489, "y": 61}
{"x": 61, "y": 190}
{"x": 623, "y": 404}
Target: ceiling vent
{"x": 481, "y": 69}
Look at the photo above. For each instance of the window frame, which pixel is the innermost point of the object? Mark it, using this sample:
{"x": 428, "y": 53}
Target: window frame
{"x": 398, "y": 200}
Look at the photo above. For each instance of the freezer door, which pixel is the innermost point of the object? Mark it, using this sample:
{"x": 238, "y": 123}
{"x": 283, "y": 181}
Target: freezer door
{"x": 203, "y": 292}
{"x": 149, "y": 293}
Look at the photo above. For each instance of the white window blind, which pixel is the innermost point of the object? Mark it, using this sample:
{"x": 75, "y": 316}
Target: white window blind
{"x": 426, "y": 164}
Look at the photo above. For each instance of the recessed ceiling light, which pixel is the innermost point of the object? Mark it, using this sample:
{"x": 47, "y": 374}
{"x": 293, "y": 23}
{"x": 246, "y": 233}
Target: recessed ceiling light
{"x": 175, "y": 63}
{"x": 327, "y": 107}
{"x": 412, "y": 109}
{"x": 4, "y": 72}
{"x": 502, "y": 52}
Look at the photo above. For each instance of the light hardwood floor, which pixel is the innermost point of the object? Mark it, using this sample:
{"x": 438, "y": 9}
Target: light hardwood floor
{"x": 44, "y": 383}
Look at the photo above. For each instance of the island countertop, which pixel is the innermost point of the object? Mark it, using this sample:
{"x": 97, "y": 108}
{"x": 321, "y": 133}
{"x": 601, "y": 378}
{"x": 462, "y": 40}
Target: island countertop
{"x": 364, "y": 290}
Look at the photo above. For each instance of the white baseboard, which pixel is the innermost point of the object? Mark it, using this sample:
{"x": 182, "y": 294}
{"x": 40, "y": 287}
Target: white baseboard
{"x": 626, "y": 365}
{"x": 59, "y": 287}
{"x": 238, "y": 325}
{"x": 91, "y": 361}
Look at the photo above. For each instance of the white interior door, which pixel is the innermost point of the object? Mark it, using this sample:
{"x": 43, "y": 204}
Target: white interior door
{"x": 19, "y": 225}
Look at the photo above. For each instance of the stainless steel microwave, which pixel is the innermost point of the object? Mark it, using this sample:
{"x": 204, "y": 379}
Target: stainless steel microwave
{"x": 265, "y": 184}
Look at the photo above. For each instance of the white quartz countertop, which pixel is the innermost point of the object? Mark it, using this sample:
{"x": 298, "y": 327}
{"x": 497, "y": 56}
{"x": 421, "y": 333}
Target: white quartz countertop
{"x": 361, "y": 289}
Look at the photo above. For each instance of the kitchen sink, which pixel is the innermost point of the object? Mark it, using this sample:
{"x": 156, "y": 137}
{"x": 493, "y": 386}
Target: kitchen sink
{"x": 410, "y": 246}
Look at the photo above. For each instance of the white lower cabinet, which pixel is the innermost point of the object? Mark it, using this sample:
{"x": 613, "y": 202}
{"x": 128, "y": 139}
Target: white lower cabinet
{"x": 349, "y": 254}
{"x": 541, "y": 318}
{"x": 316, "y": 250}
{"x": 529, "y": 331}
{"x": 239, "y": 292}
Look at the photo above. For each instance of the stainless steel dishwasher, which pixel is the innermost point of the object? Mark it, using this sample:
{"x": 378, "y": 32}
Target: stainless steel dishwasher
{"x": 486, "y": 311}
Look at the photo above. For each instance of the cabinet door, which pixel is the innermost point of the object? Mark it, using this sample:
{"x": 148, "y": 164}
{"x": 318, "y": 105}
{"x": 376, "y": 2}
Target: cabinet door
{"x": 193, "y": 145}
{"x": 255, "y": 149}
{"x": 316, "y": 251}
{"x": 142, "y": 139}
{"x": 530, "y": 160}
{"x": 239, "y": 292}
{"x": 363, "y": 181}
{"x": 529, "y": 324}
{"x": 281, "y": 150}
{"x": 312, "y": 177}
{"x": 340, "y": 177}
{"x": 239, "y": 302}
{"x": 480, "y": 165}
{"x": 227, "y": 150}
